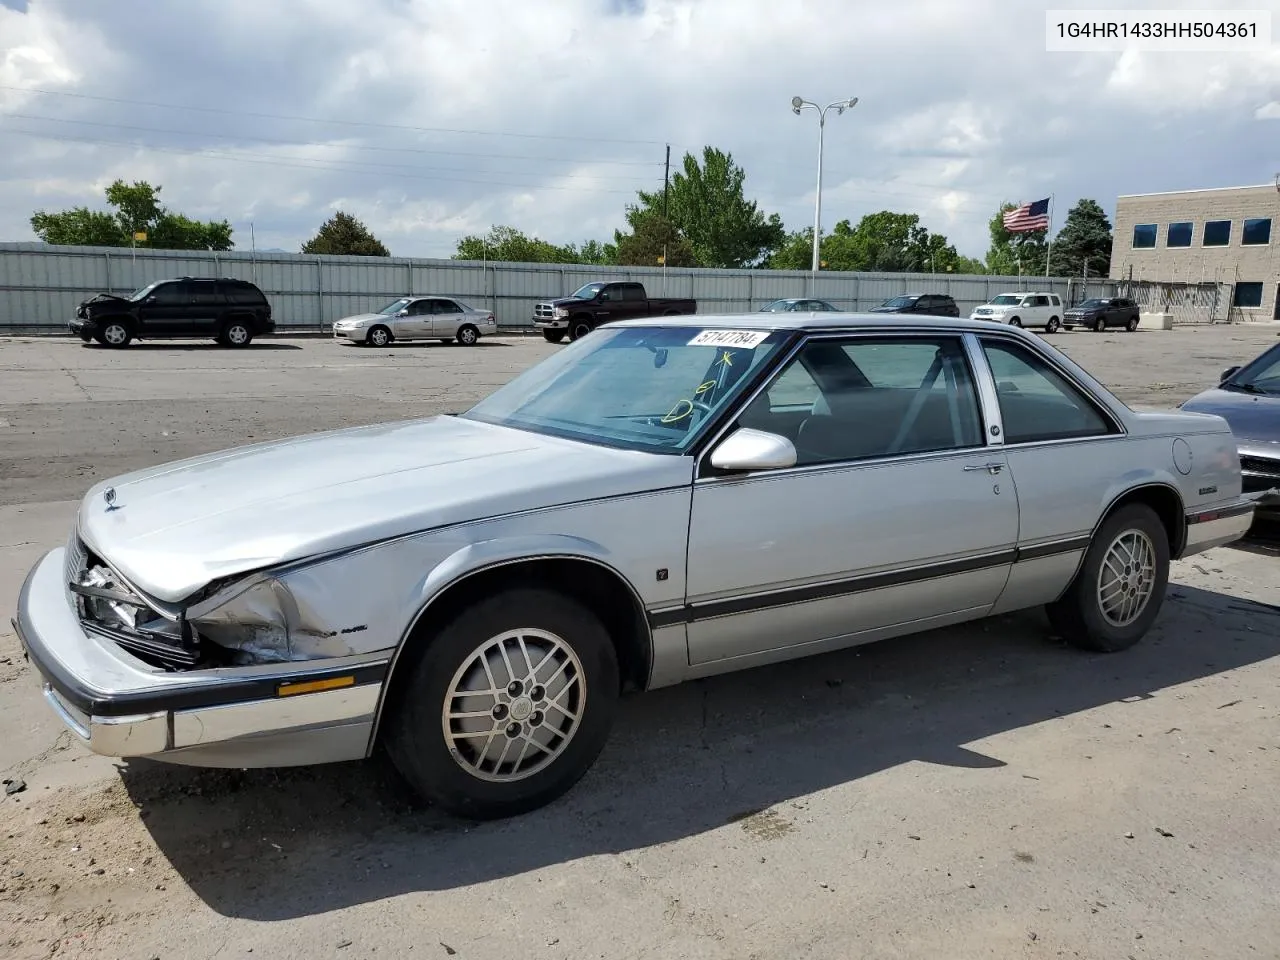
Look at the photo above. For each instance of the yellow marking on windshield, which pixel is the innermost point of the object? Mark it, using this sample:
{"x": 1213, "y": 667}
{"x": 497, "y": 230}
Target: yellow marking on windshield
{"x": 674, "y": 417}
{"x": 704, "y": 387}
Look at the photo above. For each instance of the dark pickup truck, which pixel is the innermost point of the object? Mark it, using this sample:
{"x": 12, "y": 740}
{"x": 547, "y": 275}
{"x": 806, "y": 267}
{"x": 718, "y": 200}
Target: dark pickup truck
{"x": 595, "y": 303}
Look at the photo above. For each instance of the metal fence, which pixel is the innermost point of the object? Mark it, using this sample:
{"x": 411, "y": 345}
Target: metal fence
{"x": 1186, "y": 303}
{"x": 40, "y": 285}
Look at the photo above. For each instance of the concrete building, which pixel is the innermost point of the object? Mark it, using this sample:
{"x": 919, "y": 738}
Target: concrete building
{"x": 1226, "y": 240}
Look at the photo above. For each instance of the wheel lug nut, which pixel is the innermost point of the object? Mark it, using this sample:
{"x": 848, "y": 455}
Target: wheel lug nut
{"x": 537, "y": 693}
{"x": 499, "y": 711}
{"x": 513, "y": 730}
{"x": 535, "y": 718}
{"x": 514, "y": 688}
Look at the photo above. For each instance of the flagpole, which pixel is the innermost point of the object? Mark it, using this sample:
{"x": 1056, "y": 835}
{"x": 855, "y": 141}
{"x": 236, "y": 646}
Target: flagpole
{"x": 1049, "y": 249}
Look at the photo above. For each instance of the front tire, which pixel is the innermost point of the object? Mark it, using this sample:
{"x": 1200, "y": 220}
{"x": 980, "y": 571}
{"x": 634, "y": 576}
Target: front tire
{"x": 379, "y": 336}
{"x": 552, "y": 336}
{"x": 579, "y": 328}
{"x": 507, "y": 706}
{"x": 1100, "y": 325}
{"x": 1015, "y": 322}
{"x": 1118, "y": 592}
{"x": 115, "y": 333}
{"x": 468, "y": 336}
{"x": 1132, "y": 325}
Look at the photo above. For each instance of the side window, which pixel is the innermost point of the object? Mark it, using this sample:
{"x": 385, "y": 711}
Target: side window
{"x": 206, "y": 294}
{"x": 447, "y": 306}
{"x": 632, "y": 291}
{"x": 172, "y": 294}
{"x": 1056, "y": 300}
{"x": 878, "y": 397}
{"x": 1037, "y": 402}
{"x": 1042, "y": 301}
{"x": 420, "y": 308}
{"x": 610, "y": 293}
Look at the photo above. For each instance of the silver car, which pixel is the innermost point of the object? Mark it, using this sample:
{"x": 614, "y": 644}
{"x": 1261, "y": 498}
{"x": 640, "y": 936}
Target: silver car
{"x": 418, "y": 318}
{"x": 665, "y": 499}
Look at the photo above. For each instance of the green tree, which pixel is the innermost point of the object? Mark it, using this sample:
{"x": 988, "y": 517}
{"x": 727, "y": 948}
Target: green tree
{"x": 881, "y": 242}
{"x": 707, "y": 204}
{"x": 653, "y": 237}
{"x": 1084, "y": 242}
{"x": 137, "y": 210}
{"x": 596, "y": 253}
{"x": 344, "y": 236}
{"x": 513, "y": 246}
{"x": 78, "y": 227}
{"x": 1013, "y": 253}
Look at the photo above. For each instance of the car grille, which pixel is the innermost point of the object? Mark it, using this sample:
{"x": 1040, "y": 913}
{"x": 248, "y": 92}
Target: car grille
{"x": 543, "y": 311}
{"x": 1261, "y": 465}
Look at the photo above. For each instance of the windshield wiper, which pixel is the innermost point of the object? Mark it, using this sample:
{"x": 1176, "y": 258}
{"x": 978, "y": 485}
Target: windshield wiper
{"x": 1245, "y": 388}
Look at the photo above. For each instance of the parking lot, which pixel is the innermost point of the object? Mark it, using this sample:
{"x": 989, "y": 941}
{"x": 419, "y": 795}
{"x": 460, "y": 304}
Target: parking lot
{"x": 975, "y": 791}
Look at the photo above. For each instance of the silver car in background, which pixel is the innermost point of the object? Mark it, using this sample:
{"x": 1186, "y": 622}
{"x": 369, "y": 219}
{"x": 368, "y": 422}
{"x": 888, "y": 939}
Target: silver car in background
{"x": 446, "y": 319}
{"x": 663, "y": 500}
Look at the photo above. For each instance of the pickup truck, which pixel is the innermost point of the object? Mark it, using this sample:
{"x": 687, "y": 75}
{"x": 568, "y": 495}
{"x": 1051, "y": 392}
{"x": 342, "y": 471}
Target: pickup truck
{"x": 595, "y": 303}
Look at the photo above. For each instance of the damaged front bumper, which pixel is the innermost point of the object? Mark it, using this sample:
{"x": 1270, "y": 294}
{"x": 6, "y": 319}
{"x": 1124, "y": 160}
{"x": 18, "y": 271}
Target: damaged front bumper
{"x": 277, "y": 714}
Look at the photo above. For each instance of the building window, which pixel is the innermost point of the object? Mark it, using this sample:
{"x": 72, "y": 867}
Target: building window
{"x": 1256, "y": 232}
{"x": 1217, "y": 233}
{"x": 1247, "y": 295}
{"x": 1179, "y": 234}
{"x": 1144, "y": 236}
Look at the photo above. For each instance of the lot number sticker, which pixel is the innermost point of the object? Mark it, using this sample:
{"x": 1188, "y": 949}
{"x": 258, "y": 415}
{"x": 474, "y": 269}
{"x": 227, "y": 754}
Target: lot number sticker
{"x": 747, "y": 339}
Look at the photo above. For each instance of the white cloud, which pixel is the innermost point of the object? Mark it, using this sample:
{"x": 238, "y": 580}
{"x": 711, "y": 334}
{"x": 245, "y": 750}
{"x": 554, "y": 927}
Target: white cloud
{"x": 960, "y": 108}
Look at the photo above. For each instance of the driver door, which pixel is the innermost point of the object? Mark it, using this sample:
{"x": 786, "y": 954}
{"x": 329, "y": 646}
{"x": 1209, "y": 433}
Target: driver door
{"x": 897, "y": 515}
{"x": 446, "y": 317}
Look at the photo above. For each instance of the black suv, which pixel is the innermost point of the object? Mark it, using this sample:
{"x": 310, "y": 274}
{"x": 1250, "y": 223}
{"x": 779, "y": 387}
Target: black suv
{"x": 232, "y": 312}
{"x": 928, "y": 304}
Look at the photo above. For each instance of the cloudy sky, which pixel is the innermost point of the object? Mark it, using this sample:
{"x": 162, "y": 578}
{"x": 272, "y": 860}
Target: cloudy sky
{"x": 430, "y": 119}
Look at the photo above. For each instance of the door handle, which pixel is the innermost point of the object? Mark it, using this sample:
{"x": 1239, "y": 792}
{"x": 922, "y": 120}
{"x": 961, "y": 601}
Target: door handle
{"x": 989, "y": 467}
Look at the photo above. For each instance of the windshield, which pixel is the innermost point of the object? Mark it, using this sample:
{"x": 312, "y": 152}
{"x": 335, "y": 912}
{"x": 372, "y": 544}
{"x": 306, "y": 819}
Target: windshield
{"x": 394, "y": 307}
{"x": 1090, "y": 304}
{"x": 143, "y": 291}
{"x": 1261, "y": 376}
{"x": 899, "y": 302}
{"x": 587, "y": 291}
{"x": 640, "y": 388}
{"x": 1006, "y": 300}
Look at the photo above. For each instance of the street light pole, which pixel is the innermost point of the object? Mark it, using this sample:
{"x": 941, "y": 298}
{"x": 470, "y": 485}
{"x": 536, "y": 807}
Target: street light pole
{"x": 797, "y": 105}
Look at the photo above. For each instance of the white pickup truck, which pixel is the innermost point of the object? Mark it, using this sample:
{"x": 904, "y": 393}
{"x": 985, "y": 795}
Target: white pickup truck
{"x": 1023, "y": 310}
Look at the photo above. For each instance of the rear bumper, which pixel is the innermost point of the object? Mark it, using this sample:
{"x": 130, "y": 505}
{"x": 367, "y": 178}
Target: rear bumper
{"x": 1221, "y": 525}
{"x": 238, "y": 717}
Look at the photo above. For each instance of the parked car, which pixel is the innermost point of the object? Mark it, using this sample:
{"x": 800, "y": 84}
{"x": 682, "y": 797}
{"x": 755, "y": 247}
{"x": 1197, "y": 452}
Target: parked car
{"x": 418, "y": 318}
{"x": 603, "y": 302}
{"x": 927, "y": 304}
{"x": 1248, "y": 398}
{"x": 1100, "y": 313}
{"x": 663, "y": 500}
{"x": 231, "y": 312}
{"x": 799, "y": 306}
{"x": 1023, "y": 310}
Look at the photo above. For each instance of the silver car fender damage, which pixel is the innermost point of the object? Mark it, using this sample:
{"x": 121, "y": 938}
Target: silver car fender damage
{"x": 475, "y": 560}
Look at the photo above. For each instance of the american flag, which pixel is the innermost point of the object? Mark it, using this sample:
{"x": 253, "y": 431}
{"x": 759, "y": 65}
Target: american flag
{"x": 1028, "y": 218}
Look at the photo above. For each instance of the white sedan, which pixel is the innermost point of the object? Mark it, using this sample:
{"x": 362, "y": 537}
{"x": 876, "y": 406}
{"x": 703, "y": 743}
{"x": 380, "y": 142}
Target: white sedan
{"x": 418, "y": 318}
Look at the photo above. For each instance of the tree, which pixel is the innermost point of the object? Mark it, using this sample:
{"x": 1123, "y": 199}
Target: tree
{"x": 343, "y": 235}
{"x": 512, "y": 245}
{"x": 884, "y": 242}
{"x": 707, "y": 205}
{"x": 137, "y": 210}
{"x": 1083, "y": 243}
{"x": 596, "y": 253}
{"x": 1011, "y": 254}
{"x": 653, "y": 237}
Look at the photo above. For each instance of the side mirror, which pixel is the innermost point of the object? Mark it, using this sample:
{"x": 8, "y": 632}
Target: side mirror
{"x": 747, "y": 449}
{"x": 1228, "y": 373}
{"x": 150, "y": 299}
{"x": 403, "y": 313}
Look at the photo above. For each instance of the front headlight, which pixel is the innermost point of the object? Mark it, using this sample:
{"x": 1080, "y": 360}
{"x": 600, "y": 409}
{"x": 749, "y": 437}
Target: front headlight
{"x": 561, "y": 313}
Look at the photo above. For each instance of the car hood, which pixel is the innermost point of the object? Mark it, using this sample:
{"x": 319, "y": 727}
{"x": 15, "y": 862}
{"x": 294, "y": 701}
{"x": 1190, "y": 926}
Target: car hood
{"x": 1250, "y": 416}
{"x": 566, "y": 301}
{"x": 176, "y": 527}
{"x": 361, "y": 318}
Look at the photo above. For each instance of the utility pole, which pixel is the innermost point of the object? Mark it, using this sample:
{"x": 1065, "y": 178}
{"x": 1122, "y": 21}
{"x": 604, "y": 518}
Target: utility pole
{"x": 666, "y": 182}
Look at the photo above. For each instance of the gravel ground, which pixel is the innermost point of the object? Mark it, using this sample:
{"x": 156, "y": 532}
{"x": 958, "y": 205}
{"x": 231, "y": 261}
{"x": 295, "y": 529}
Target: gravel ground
{"x": 972, "y": 792}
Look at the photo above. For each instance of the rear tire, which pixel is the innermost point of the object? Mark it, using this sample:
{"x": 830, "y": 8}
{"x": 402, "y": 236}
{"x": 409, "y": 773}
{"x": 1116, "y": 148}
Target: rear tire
{"x": 477, "y": 699}
{"x": 1053, "y": 326}
{"x": 1118, "y": 592}
{"x": 553, "y": 336}
{"x": 1132, "y": 325}
{"x": 236, "y": 333}
{"x": 379, "y": 336}
{"x": 468, "y": 336}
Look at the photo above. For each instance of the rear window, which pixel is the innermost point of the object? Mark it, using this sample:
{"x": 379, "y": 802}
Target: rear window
{"x": 243, "y": 293}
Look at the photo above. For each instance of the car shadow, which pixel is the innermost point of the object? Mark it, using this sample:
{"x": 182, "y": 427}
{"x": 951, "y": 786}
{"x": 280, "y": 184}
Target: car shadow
{"x": 284, "y": 843}
{"x": 196, "y": 345}
{"x": 487, "y": 343}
